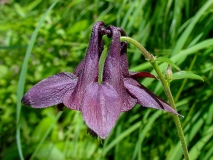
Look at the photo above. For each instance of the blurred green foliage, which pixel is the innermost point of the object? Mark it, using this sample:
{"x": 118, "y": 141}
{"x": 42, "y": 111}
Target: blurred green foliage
{"x": 181, "y": 30}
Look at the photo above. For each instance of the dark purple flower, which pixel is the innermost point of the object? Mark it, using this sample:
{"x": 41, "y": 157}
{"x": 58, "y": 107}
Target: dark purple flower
{"x": 100, "y": 104}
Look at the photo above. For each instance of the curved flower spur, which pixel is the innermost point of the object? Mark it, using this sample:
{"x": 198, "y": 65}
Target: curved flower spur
{"x": 100, "y": 104}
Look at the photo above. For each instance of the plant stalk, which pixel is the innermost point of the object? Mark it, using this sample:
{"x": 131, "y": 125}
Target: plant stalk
{"x": 101, "y": 65}
{"x": 167, "y": 90}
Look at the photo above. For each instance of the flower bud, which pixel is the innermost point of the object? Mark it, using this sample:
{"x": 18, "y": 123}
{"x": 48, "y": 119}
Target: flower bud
{"x": 168, "y": 73}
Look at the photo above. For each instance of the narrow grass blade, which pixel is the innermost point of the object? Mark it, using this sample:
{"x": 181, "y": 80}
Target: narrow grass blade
{"x": 121, "y": 136}
{"x": 45, "y": 136}
{"x": 196, "y": 149}
{"x": 143, "y": 131}
{"x": 21, "y": 82}
{"x": 179, "y": 58}
{"x": 182, "y": 40}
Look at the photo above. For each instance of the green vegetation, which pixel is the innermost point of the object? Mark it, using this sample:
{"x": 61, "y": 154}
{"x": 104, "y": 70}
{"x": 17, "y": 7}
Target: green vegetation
{"x": 41, "y": 38}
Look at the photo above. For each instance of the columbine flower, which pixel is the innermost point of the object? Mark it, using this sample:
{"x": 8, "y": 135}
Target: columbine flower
{"x": 100, "y": 104}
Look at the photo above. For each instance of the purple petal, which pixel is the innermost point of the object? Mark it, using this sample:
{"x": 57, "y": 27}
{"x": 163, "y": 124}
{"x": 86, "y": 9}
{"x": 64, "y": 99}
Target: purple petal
{"x": 87, "y": 70}
{"x": 128, "y": 101}
{"x": 145, "y": 97}
{"x": 50, "y": 91}
{"x": 139, "y": 75}
{"x": 101, "y": 108}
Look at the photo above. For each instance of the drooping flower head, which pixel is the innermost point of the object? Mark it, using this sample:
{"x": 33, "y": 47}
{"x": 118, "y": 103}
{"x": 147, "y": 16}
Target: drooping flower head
{"x": 100, "y": 104}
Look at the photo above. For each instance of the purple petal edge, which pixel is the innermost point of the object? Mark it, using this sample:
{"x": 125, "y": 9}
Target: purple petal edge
{"x": 50, "y": 91}
{"x": 101, "y": 108}
{"x": 145, "y": 97}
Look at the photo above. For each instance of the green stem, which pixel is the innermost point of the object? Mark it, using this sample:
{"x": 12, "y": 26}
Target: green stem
{"x": 167, "y": 90}
{"x": 172, "y": 103}
{"x": 137, "y": 44}
{"x": 21, "y": 82}
{"x": 101, "y": 65}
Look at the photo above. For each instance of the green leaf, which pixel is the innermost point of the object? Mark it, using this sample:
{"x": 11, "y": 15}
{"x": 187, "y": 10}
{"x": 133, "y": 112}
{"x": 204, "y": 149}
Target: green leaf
{"x": 167, "y": 60}
{"x": 185, "y": 35}
{"x": 197, "y": 148}
{"x": 186, "y": 74}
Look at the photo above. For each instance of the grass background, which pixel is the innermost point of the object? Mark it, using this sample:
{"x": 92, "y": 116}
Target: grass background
{"x": 41, "y": 38}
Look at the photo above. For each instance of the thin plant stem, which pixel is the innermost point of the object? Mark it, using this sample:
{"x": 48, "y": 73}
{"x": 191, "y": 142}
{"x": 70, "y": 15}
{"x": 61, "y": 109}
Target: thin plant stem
{"x": 167, "y": 90}
{"x": 21, "y": 82}
{"x": 101, "y": 65}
